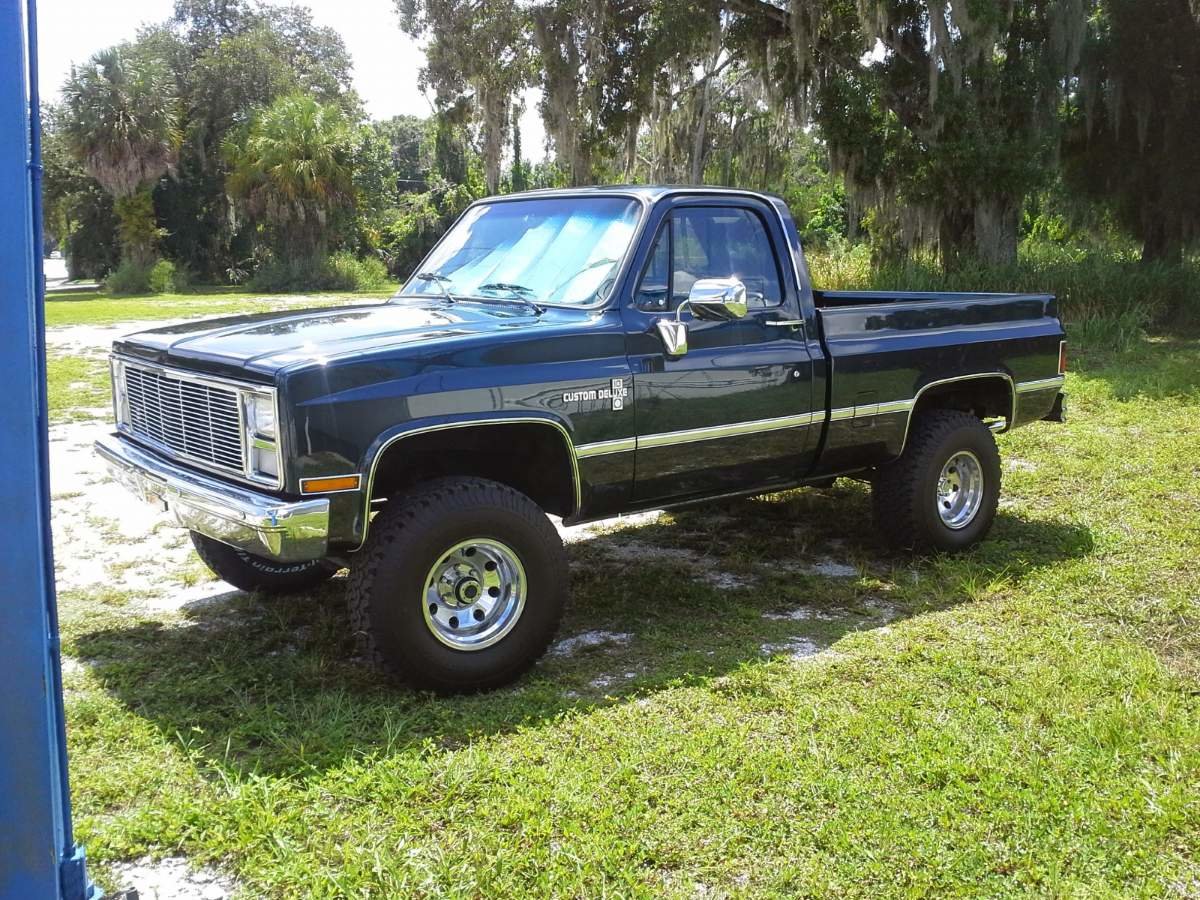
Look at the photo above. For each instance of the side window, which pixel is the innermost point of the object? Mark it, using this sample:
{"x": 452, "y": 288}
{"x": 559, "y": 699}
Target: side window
{"x": 655, "y": 286}
{"x": 723, "y": 242}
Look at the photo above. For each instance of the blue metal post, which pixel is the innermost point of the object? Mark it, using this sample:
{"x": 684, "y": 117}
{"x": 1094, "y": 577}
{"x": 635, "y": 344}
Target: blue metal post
{"x": 38, "y": 856}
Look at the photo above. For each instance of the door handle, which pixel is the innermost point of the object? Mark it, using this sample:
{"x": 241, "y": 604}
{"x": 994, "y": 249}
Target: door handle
{"x": 785, "y": 323}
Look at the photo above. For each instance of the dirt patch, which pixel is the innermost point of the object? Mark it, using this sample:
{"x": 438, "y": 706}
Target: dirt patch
{"x": 804, "y": 614}
{"x": 572, "y": 645}
{"x": 698, "y": 566}
{"x": 572, "y": 534}
{"x": 171, "y": 878}
{"x": 109, "y": 543}
{"x": 1016, "y": 464}
{"x": 604, "y": 682}
{"x": 795, "y": 648}
{"x": 829, "y": 568}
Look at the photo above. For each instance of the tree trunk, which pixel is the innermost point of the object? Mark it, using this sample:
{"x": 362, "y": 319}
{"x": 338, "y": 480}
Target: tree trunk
{"x": 494, "y": 109}
{"x": 1161, "y": 244}
{"x": 956, "y": 238}
{"x": 137, "y": 227}
{"x": 631, "y": 143}
{"x": 996, "y": 225}
{"x": 699, "y": 137}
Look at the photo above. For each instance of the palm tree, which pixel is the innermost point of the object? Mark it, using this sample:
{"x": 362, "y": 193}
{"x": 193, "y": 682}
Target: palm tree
{"x": 292, "y": 165}
{"x": 122, "y": 115}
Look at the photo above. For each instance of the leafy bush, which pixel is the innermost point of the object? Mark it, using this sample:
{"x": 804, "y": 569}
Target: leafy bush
{"x": 128, "y": 278}
{"x": 410, "y": 231}
{"x": 349, "y": 273}
{"x": 829, "y": 219}
{"x": 340, "y": 272}
{"x": 166, "y": 277}
{"x": 91, "y": 246}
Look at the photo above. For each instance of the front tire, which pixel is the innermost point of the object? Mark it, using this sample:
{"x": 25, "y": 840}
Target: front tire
{"x": 460, "y": 587}
{"x": 943, "y": 491}
{"x": 254, "y": 573}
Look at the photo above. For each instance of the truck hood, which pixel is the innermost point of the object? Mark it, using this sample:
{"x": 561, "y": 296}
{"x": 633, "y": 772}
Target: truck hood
{"x": 263, "y": 343}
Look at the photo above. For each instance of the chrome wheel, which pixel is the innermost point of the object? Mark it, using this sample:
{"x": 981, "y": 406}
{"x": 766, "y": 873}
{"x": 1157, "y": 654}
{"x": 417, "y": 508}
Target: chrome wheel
{"x": 960, "y": 490}
{"x": 474, "y": 594}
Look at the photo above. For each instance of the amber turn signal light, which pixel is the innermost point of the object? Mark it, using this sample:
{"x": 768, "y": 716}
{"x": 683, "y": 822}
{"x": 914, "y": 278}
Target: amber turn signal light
{"x": 328, "y": 485}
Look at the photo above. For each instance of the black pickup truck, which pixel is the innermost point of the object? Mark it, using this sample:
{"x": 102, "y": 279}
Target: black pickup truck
{"x": 578, "y": 353}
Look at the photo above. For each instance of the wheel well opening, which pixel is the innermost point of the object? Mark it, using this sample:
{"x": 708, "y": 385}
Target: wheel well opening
{"x": 534, "y": 459}
{"x": 984, "y": 398}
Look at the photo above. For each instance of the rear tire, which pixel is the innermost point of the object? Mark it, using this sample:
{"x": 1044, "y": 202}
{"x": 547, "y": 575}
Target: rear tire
{"x": 943, "y": 491}
{"x": 248, "y": 572}
{"x": 460, "y": 587}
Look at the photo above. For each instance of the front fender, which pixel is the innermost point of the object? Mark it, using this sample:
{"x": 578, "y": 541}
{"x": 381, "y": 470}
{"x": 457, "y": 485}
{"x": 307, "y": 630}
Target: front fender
{"x": 385, "y": 441}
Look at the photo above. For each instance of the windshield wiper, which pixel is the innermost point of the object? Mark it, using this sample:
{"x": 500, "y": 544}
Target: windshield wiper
{"x": 517, "y": 290}
{"x": 440, "y": 281}
{"x": 507, "y": 286}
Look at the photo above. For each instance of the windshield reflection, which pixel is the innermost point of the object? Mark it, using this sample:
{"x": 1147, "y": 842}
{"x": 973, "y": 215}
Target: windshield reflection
{"x": 560, "y": 251}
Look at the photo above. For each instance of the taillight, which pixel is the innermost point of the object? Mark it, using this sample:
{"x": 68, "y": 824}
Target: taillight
{"x": 1062, "y": 357}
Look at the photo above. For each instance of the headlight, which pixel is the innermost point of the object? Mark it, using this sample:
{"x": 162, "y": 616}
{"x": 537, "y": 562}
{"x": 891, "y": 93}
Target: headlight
{"x": 263, "y": 455}
{"x": 260, "y": 416}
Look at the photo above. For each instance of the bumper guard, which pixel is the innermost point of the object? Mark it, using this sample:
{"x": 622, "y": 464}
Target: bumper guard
{"x": 266, "y": 526}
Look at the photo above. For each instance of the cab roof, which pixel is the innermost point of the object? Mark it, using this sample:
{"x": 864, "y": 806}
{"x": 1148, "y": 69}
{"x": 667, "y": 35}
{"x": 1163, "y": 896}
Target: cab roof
{"x": 649, "y": 192}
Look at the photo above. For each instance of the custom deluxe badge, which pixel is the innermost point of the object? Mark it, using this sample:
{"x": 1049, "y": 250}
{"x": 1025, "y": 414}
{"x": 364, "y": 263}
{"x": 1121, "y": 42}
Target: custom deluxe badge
{"x": 615, "y": 392}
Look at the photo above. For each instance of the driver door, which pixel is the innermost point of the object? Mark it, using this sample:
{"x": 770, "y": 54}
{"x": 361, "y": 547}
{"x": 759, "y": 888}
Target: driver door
{"x": 733, "y": 413}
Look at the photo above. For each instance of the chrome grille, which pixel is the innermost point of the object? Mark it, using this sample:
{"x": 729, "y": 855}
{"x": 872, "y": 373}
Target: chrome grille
{"x": 195, "y": 420}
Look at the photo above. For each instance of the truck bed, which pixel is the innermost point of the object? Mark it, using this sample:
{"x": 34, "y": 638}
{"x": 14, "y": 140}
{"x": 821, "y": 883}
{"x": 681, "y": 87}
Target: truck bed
{"x": 881, "y": 348}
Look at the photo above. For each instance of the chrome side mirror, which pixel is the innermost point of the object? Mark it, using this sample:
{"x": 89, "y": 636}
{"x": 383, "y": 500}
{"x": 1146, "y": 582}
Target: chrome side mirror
{"x": 722, "y": 299}
{"x": 674, "y": 336}
{"x": 717, "y": 298}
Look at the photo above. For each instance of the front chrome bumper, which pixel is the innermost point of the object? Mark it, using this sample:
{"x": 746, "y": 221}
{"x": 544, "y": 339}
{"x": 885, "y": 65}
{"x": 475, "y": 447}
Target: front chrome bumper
{"x": 282, "y": 530}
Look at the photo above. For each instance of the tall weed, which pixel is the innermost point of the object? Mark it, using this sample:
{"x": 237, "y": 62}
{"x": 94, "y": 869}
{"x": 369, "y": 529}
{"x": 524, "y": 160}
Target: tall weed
{"x": 1106, "y": 299}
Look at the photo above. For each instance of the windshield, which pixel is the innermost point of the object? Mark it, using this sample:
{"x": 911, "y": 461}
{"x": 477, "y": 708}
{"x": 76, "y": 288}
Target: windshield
{"x": 561, "y": 251}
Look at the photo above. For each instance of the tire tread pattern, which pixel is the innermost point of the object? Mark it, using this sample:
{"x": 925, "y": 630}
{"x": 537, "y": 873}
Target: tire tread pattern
{"x": 409, "y": 513}
{"x": 250, "y": 573}
{"x": 896, "y": 488}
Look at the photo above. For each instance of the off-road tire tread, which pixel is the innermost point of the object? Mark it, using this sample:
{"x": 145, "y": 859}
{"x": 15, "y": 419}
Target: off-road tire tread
{"x": 229, "y": 565}
{"x": 408, "y": 513}
{"x": 896, "y": 505}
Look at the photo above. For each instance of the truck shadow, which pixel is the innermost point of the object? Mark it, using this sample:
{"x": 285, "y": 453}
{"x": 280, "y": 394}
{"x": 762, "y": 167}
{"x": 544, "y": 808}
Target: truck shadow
{"x": 272, "y": 685}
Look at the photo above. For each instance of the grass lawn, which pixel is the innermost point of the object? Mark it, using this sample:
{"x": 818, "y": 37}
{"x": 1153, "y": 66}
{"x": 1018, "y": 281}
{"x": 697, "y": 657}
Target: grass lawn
{"x": 1023, "y": 719}
{"x": 77, "y": 385}
{"x": 102, "y": 309}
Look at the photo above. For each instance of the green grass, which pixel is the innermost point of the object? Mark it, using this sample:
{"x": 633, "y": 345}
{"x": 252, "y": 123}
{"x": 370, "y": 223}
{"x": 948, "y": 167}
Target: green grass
{"x": 76, "y": 385}
{"x": 1024, "y": 719}
{"x": 101, "y": 309}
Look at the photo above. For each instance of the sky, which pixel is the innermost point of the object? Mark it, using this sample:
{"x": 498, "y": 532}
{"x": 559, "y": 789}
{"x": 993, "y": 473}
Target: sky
{"x": 387, "y": 62}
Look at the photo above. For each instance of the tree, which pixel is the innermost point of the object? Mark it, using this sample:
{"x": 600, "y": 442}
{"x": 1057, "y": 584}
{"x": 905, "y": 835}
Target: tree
{"x": 292, "y": 168}
{"x": 477, "y": 54}
{"x": 1135, "y": 121}
{"x": 230, "y": 58}
{"x": 122, "y": 125}
{"x": 519, "y": 178}
{"x": 597, "y": 79}
{"x": 943, "y": 116}
{"x": 410, "y": 139}
{"x": 77, "y": 212}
